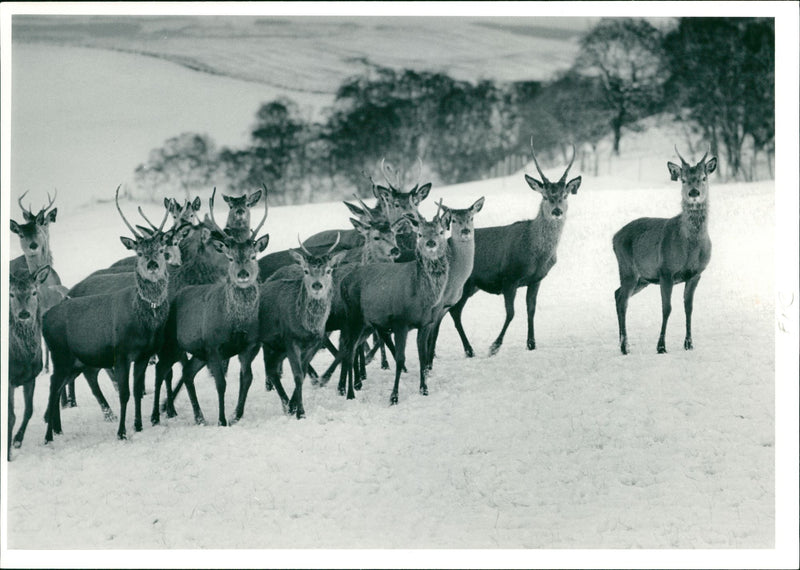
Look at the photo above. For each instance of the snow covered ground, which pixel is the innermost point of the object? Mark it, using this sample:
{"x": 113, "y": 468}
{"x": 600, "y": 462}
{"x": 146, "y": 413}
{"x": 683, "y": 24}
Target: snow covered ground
{"x": 570, "y": 446}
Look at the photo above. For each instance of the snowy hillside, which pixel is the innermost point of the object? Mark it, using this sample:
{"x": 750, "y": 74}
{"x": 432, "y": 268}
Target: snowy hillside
{"x": 570, "y": 446}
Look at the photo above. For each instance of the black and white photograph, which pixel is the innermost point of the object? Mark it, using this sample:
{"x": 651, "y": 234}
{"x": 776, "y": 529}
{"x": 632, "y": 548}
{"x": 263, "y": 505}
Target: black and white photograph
{"x": 400, "y": 284}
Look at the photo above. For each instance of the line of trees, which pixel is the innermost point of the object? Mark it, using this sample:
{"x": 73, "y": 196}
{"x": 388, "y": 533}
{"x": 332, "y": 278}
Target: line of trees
{"x": 715, "y": 74}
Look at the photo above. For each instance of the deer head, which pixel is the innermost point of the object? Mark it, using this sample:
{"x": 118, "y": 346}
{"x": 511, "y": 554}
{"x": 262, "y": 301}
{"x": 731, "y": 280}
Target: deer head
{"x": 396, "y": 202}
{"x": 554, "y": 194}
{"x": 23, "y": 293}
{"x": 463, "y": 226}
{"x": 34, "y": 234}
{"x": 379, "y": 238}
{"x": 149, "y": 247}
{"x": 317, "y": 269}
{"x": 431, "y": 238}
{"x": 694, "y": 179}
{"x": 239, "y": 212}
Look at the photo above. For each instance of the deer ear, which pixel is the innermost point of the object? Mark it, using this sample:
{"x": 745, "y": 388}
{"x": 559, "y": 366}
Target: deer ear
{"x": 182, "y": 234}
{"x": 196, "y": 204}
{"x": 168, "y": 204}
{"x": 422, "y": 193}
{"x": 261, "y": 243}
{"x": 254, "y": 198}
{"x": 227, "y": 199}
{"x": 298, "y": 257}
{"x": 360, "y": 228}
{"x": 573, "y": 185}
{"x": 355, "y": 210}
{"x": 711, "y": 165}
{"x": 51, "y": 215}
{"x": 41, "y": 275}
{"x": 478, "y": 205}
{"x": 127, "y": 242}
{"x": 534, "y": 184}
{"x": 205, "y": 233}
{"x": 674, "y": 170}
{"x": 219, "y": 246}
{"x": 15, "y": 227}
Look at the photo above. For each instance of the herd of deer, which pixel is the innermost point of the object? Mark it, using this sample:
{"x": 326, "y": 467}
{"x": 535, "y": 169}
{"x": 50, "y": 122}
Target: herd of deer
{"x": 197, "y": 294}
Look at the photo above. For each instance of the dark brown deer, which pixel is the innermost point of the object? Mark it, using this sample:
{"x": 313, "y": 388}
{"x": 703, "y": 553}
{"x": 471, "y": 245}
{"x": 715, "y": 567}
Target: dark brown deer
{"x": 395, "y": 298}
{"x": 238, "y": 222}
{"x": 461, "y": 256}
{"x": 214, "y": 322}
{"x": 293, "y": 311}
{"x": 111, "y": 330}
{"x": 518, "y": 255}
{"x": 667, "y": 250}
{"x": 24, "y": 343}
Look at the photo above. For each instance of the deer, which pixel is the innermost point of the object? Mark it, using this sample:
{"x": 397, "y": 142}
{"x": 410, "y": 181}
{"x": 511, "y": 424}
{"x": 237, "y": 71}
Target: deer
{"x": 519, "y": 254}
{"x": 34, "y": 238}
{"x": 394, "y": 204}
{"x": 667, "y": 251}
{"x": 461, "y": 256}
{"x": 293, "y": 310}
{"x": 112, "y": 330}
{"x": 24, "y": 343}
{"x": 214, "y": 322}
{"x": 396, "y": 297}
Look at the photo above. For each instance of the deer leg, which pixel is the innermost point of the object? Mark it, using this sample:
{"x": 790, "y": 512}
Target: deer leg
{"x": 169, "y": 407}
{"x": 509, "y": 294}
{"x": 455, "y": 312}
{"x": 91, "y": 378}
{"x": 326, "y": 376}
{"x": 400, "y": 335}
{"x": 70, "y": 391}
{"x": 621, "y": 297}
{"x": 28, "y": 391}
{"x": 190, "y": 370}
{"x": 272, "y": 369}
{"x": 161, "y": 372}
{"x": 530, "y": 303}
{"x": 422, "y": 354}
{"x": 296, "y": 401}
{"x": 688, "y": 302}
{"x": 139, "y": 368}
{"x": 245, "y": 378}
{"x": 11, "y": 419}
{"x": 361, "y": 369}
{"x": 666, "y": 308}
{"x": 122, "y": 373}
{"x": 218, "y": 368}
{"x": 382, "y": 346}
{"x": 53, "y": 413}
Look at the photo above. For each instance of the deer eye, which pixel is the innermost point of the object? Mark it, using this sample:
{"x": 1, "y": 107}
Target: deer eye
{"x": 253, "y": 257}
{"x": 33, "y": 293}
{"x": 11, "y": 295}
{"x": 328, "y": 271}
{"x": 305, "y": 272}
{"x": 139, "y": 253}
{"x": 377, "y": 238}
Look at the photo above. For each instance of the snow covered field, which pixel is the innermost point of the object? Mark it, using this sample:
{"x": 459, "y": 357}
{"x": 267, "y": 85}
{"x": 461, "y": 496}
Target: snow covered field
{"x": 569, "y": 446}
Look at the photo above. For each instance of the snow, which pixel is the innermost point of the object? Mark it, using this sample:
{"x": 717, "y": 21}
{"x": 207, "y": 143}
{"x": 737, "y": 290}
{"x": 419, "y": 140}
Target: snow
{"x": 570, "y": 446}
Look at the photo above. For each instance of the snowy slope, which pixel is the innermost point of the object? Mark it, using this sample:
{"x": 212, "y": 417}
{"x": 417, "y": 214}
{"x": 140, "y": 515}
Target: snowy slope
{"x": 569, "y": 446}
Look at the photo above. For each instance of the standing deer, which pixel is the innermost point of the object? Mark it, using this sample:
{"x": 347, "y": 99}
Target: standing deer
{"x": 461, "y": 257}
{"x": 667, "y": 250}
{"x": 112, "y": 330}
{"x": 24, "y": 343}
{"x": 34, "y": 238}
{"x": 520, "y": 254}
{"x": 238, "y": 222}
{"x": 292, "y": 311}
{"x": 396, "y": 297}
{"x": 214, "y": 322}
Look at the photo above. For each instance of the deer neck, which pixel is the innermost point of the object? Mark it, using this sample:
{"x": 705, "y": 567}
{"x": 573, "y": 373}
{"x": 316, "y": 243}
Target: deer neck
{"x": 461, "y": 255}
{"x": 198, "y": 268}
{"x": 432, "y": 274}
{"x": 151, "y": 299}
{"x": 694, "y": 219}
{"x": 241, "y": 303}
{"x": 313, "y": 312}
{"x": 545, "y": 232}
{"x": 36, "y": 261}
{"x": 26, "y": 338}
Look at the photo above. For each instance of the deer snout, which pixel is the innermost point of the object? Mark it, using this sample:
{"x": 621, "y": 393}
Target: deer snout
{"x": 465, "y": 233}
{"x": 394, "y": 252}
{"x": 23, "y": 315}
{"x": 152, "y": 265}
{"x": 694, "y": 193}
{"x": 430, "y": 244}
{"x": 243, "y": 275}
{"x": 316, "y": 285}
{"x": 34, "y": 245}
{"x": 557, "y": 212}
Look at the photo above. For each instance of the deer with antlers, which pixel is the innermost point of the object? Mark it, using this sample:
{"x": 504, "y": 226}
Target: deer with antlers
{"x": 396, "y": 298}
{"x": 112, "y": 330}
{"x": 520, "y": 254}
{"x": 667, "y": 250}
{"x": 214, "y": 322}
{"x": 293, "y": 311}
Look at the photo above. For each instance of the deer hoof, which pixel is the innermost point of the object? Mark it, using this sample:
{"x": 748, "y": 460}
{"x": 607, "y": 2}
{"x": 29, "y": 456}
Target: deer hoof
{"x": 122, "y": 436}
{"x": 17, "y": 443}
{"x": 469, "y": 352}
{"x": 268, "y": 385}
{"x": 358, "y": 385}
{"x": 687, "y": 344}
{"x": 494, "y": 349}
{"x": 137, "y": 427}
{"x": 531, "y": 345}
{"x": 662, "y": 349}
{"x": 155, "y": 420}
{"x": 109, "y": 416}
{"x": 424, "y": 390}
{"x": 384, "y": 366}
{"x": 222, "y": 423}
{"x": 393, "y": 400}
{"x": 301, "y": 414}
{"x": 199, "y": 420}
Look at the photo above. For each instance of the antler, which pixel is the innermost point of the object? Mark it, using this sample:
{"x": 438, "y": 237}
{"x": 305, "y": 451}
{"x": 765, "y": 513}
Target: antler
{"x": 304, "y": 247}
{"x": 536, "y": 162}
{"x": 27, "y": 214}
{"x": 564, "y": 176}
{"x": 365, "y": 207}
{"x": 266, "y": 209}
{"x": 438, "y": 208}
{"x": 388, "y": 172}
{"x": 683, "y": 161}
{"x": 124, "y": 219}
{"x": 338, "y": 237}
{"x": 418, "y": 169}
{"x": 152, "y": 225}
{"x": 50, "y": 201}
{"x": 211, "y": 211}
